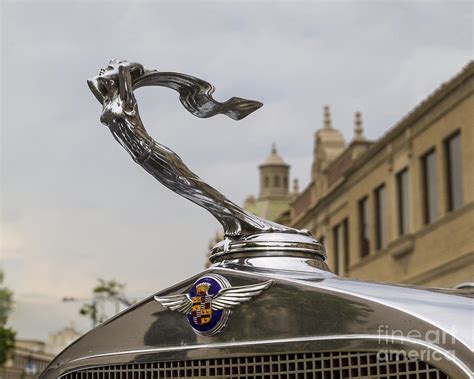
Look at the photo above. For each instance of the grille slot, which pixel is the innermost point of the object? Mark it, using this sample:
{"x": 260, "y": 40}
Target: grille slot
{"x": 330, "y": 365}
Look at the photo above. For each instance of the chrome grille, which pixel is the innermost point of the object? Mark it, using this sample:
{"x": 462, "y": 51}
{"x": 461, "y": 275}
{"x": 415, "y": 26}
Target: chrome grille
{"x": 330, "y": 365}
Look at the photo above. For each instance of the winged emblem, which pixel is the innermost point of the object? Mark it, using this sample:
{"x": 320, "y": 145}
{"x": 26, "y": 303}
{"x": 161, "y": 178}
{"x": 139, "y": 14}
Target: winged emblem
{"x": 209, "y": 302}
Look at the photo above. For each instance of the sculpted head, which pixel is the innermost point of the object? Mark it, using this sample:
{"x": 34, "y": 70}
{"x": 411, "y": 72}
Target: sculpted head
{"x": 106, "y": 84}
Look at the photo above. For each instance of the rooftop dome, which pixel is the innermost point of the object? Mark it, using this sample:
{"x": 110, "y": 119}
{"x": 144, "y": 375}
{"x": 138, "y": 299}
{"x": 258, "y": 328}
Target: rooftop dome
{"x": 274, "y": 159}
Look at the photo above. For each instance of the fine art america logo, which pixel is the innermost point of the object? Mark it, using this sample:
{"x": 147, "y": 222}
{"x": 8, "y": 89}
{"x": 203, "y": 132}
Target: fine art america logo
{"x": 210, "y": 301}
{"x": 394, "y": 337}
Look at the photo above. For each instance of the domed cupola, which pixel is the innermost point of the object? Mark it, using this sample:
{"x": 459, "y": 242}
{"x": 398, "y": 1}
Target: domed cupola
{"x": 274, "y": 176}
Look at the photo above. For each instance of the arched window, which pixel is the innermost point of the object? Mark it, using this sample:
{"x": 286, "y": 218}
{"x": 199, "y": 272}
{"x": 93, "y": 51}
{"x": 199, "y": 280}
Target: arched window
{"x": 285, "y": 181}
{"x": 276, "y": 181}
{"x": 266, "y": 181}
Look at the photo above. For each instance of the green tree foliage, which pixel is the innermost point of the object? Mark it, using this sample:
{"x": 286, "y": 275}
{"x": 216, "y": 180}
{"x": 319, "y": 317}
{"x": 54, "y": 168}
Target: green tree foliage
{"x": 105, "y": 291}
{"x": 7, "y": 336}
{"x": 90, "y": 310}
{"x": 110, "y": 288}
{"x": 7, "y": 343}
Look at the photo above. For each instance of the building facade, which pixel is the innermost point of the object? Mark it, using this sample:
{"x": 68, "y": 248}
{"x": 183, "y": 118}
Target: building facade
{"x": 399, "y": 209}
{"x": 30, "y": 357}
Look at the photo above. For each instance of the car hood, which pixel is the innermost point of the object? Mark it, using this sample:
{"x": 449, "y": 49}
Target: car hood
{"x": 310, "y": 308}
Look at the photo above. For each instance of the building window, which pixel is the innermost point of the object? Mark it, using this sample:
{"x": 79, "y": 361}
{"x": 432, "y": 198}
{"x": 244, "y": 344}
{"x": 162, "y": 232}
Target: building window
{"x": 276, "y": 181}
{"x": 345, "y": 244}
{"x": 380, "y": 217}
{"x": 285, "y": 182}
{"x": 341, "y": 245}
{"x": 364, "y": 237}
{"x": 403, "y": 202}
{"x": 452, "y": 146}
{"x": 430, "y": 195}
{"x": 267, "y": 181}
{"x": 337, "y": 247}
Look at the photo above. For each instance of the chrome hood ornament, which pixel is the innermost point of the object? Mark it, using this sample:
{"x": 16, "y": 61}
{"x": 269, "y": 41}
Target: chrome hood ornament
{"x": 210, "y": 301}
{"x": 244, "y": 232}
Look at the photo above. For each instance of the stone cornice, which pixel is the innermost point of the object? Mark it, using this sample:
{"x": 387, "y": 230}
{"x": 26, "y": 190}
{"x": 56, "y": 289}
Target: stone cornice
{"x": 450, "y": 94}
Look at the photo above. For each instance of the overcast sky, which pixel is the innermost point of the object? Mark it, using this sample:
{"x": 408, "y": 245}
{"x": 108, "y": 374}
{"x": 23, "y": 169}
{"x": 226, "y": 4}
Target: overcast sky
{"x": 74, "y": 207}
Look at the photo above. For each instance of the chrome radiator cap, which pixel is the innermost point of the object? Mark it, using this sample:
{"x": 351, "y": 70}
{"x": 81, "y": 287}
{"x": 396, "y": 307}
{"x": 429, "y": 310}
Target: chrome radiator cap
{"x": 268, "y": 244}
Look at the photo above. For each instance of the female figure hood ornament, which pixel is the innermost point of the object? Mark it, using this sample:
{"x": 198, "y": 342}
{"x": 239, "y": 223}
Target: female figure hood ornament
{"x": 244, "y": 232}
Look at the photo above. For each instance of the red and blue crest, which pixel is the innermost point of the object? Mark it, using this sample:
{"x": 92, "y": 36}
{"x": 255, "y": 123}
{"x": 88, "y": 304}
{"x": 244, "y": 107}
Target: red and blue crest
{"x": 203, "y": 318}
{"x": 201, "y": 310}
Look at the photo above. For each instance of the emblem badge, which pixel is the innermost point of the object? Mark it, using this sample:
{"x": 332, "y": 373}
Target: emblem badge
{"x": 210, "y": 301}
